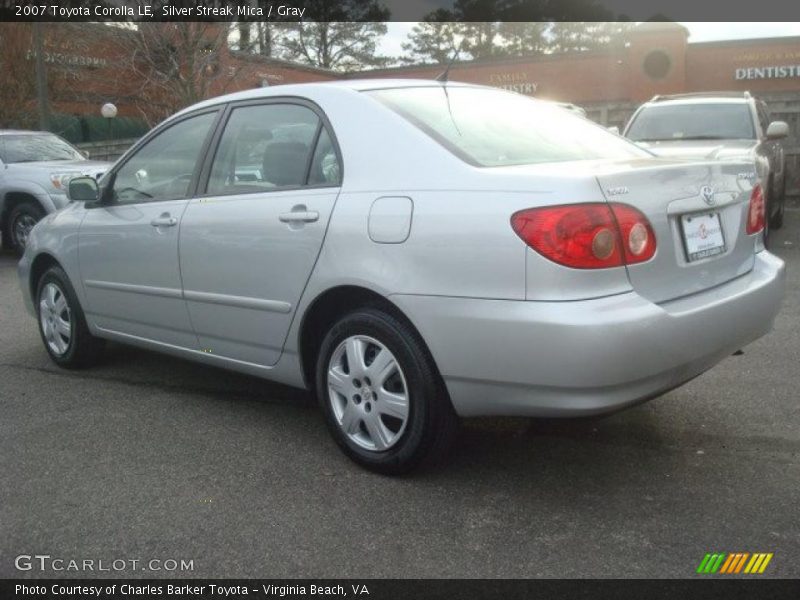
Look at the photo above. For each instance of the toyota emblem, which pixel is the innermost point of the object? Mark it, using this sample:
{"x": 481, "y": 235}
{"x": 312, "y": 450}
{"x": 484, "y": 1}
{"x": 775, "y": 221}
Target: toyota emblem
{"x": 708, "y": 194}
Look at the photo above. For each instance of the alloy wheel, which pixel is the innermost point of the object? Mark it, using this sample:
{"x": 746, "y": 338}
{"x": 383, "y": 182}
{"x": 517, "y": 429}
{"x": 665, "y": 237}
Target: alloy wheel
{"x": 368, "y": 393}
{"x": 22, "y": 227}
{"x": 55, "y": 318}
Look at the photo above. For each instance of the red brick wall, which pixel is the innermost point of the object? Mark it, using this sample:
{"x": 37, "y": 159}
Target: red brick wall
{"x": 642, "y": 43}
{"x": 577, "y": 78}
{"x": 614, "y": 75}
{"x": 713, "y": 66}
{"x": 618, "y": 75}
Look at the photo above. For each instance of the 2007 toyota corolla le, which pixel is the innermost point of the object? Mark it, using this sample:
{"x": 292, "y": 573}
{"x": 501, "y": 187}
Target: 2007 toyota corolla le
{"x": 412, "y": 251}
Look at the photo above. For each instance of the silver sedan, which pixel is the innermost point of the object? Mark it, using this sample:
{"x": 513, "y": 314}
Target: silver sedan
{"x": 412, "y": 252}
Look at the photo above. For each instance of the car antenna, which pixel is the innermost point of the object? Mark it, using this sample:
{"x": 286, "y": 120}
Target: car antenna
{"x": 442, "y": 77}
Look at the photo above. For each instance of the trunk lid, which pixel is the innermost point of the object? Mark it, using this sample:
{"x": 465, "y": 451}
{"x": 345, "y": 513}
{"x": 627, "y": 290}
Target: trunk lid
{"x": 688, "y": 205}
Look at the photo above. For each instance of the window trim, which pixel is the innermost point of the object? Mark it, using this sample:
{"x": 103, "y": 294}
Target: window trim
{"x": 211, "y": 151}
{"x": 111, "y": 176}
{"x": 762, "y": 111}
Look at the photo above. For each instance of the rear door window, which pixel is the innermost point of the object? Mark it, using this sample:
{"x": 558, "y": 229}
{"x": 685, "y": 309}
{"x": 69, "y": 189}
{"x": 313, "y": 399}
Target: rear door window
{"x": 266, "y": 147}
{"x": 325, "y": 166}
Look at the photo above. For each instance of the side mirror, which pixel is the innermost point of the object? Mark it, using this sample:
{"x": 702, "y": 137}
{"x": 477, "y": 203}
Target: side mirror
{"x": 83, "y": 189}
{"x": 613, "y": 129}
{"x": 777, "y": 130}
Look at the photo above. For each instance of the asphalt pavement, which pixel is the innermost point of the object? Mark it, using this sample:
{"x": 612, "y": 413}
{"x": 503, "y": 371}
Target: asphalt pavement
{"x": 147, "y": 457}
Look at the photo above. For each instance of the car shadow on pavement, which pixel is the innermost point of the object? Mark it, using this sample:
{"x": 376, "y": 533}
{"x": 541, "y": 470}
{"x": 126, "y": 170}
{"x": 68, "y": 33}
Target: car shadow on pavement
{"x": 127, "y": 364}
{"x": 518, "y": 446}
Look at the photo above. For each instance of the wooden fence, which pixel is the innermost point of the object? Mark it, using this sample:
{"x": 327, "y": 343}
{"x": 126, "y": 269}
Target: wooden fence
{"x": 109, "y": 150}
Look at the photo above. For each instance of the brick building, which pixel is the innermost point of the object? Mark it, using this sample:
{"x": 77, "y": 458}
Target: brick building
{"x": 656, "y": 58}
{"x": 89, "y": 64}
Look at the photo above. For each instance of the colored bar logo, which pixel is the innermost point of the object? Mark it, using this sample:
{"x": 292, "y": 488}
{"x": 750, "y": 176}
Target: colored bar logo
{"x": 733, "y": 563}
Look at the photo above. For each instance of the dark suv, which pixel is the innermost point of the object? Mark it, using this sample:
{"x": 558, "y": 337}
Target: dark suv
{"x": 720, "y": 126}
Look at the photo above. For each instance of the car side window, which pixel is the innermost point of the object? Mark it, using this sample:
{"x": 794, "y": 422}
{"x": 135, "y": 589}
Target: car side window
{"x": 264, "y": 147}
{"x": 325, "y": 167}
{"x": 163, "y": 168}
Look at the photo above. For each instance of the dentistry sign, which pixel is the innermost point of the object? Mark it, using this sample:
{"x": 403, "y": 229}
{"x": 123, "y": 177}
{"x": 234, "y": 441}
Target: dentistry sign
{"x": 773, "y": 72}
{"x": 515, "y": 82}
{"x": 767, "y": 65}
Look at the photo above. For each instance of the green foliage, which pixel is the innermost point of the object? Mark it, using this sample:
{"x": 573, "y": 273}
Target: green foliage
{"x": 495, "y": 28}
{"x": 580, "y": 37}
{"x": 433, "y": 40}
{"x": 341, "y": 35}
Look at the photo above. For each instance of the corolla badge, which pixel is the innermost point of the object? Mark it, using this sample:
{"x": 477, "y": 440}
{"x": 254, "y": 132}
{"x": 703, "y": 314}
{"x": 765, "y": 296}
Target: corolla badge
{"x": 707, "y": 192}
{"x": 617, "y": 191}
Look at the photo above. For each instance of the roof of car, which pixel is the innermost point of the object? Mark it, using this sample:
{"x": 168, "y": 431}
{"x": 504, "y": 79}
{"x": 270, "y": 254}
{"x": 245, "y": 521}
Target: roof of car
{"x": 703, "y": 98}
{"x": 291, "y": 89}
{"x": 698, "y": 101}
{"x": 20, "y": 132}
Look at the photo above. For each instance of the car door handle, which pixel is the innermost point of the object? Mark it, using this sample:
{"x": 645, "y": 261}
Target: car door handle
{"x": 299, "y": 216}
{"x": 164, "y": 220}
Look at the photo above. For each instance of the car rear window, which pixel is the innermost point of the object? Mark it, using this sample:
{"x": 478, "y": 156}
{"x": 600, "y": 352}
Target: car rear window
{"x": 697, "y": 121}
{"x": 492, "y": 128}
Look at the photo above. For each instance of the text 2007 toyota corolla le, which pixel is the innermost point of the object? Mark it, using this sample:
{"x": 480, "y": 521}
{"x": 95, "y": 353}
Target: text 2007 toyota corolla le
{"x": 412, "y": 251}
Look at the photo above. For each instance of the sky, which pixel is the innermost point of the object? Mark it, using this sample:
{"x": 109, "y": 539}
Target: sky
{"x": 698, "y": 32}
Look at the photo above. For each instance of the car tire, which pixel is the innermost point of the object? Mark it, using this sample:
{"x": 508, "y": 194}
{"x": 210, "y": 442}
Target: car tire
{"x": 779, "y": 198}
{"x": 390, "y": 410}
{"x": 21, "y": 220}
{"x": 62, "y": 324}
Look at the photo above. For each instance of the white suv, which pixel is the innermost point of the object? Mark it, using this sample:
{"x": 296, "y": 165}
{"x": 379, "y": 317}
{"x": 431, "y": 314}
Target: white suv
{"x": 717, "y": 126}
{"x": 35, "y": 169}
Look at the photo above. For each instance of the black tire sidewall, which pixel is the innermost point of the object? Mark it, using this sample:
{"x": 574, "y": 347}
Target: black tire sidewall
{"x": 26, "y": 208}
{"x": 781, "y": 205}
{"x": 420, "y": 382}
{"x": 775, "y": 206}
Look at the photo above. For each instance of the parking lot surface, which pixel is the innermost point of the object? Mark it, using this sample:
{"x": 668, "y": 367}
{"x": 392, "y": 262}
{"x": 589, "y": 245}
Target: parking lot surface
{"x": 146, "y": 457}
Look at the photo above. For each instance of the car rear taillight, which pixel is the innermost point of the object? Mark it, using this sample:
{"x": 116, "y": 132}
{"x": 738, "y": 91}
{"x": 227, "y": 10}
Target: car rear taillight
{"x": 593, "y": 235}
{"x": 756, "y": 213}
{"x": 638, "y": 237}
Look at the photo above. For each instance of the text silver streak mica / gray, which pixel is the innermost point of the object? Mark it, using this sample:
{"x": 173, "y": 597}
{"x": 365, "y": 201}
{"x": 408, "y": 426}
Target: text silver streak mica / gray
{"x": 422, "y": 227}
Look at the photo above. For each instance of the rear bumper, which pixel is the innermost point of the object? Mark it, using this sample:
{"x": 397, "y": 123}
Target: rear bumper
{"x": 587, "y": 357}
